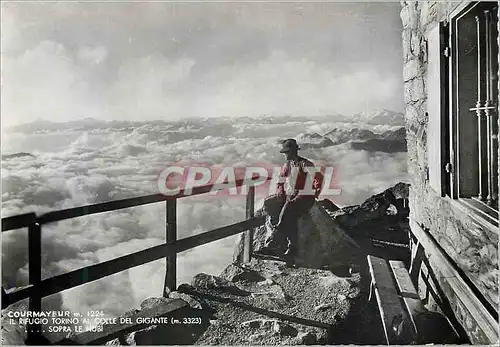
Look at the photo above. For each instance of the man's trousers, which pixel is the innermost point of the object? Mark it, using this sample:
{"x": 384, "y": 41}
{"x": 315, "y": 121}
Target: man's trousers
{"x": 287, "y": 226}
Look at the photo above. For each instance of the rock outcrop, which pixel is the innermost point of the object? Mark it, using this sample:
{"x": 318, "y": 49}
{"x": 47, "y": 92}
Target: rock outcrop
{"x": 13, "y": 333}
{"x": 380, "y": 224}
{"x": 258, "y": 303}
{"x": 285, "y": 306}
{"x": 334, "y": 237}
{"x": 330, "y": 236}
{"x": 361, "y": 220}
{"x": 322, "y": 243}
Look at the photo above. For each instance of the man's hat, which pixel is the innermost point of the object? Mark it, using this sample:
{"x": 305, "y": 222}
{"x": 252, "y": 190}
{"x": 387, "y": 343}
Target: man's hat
{"x": 288, "y": 145}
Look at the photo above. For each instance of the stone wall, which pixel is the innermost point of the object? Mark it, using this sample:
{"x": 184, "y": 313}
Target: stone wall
{"x": 470, "y": 245}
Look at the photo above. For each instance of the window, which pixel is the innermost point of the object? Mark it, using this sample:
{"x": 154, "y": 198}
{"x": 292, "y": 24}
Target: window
{"x": 463, "y": 108}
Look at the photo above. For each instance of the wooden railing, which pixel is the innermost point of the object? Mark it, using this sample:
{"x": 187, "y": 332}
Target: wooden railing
{"x": 38, "y": 288}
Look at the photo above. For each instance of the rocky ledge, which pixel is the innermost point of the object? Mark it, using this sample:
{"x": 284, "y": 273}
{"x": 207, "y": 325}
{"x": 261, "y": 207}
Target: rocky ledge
{"x": 262, "y": 303}
{"x": 339, "y": 238}
{"x": 322, "y": 300}
{"x": 323, "y": 244}
{"x": 379, "y": 225}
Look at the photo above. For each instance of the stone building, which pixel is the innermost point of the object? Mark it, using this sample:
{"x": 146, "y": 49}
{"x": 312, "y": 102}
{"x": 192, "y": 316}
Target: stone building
{"x": 451, "y": 94}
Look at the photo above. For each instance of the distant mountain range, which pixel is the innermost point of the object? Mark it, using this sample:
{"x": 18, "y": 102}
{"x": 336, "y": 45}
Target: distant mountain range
{"x": 45, "y": 125}
{"x": 383, "y": 117}
{"x": 17, "y": 155}
{"x": 390, "y": 141}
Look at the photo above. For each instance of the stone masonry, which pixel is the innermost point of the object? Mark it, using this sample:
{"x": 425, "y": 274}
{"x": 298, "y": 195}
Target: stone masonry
{"x": 473, "y": 247}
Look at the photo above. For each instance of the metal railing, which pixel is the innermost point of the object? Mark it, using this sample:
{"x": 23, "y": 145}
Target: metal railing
{"x": 486, "y": 108}
{"x": 38, "y": 288}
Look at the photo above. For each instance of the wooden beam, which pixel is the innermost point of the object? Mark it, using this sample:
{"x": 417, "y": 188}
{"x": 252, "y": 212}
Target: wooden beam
{"x": 113, "y": 331}
{"x": 35, "y": 275}
{"x": 218, "y": 234}
{"x": 171, "y": 238}
{"x": 18, "y": 295}
{"x": 403, "y": 280}
{"x": 447, "y": 273}
{"x": 75, "y": 278}
{"x": 92, "y": 273}
{"x": 417, "y": 257}
{"x": 387, "y": 296}
{"x": 18, "y": 222}
{"x": 5, "y": 298}
{"x": 407, "y": 290}
{"x": 248, "y": 244}
{"x": 55, "y": 216}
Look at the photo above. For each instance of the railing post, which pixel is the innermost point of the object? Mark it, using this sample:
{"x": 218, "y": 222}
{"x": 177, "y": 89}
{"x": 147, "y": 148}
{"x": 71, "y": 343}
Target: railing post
{"x": 35, "y": 276}
{"x": 171, "y": 237}
{"x": 248, "y": 244}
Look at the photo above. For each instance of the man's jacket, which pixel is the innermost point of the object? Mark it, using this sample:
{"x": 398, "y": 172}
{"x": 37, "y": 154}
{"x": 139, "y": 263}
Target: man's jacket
{"x": 301, "y": 166}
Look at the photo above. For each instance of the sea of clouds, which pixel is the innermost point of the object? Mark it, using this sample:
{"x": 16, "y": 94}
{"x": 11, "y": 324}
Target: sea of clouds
{"x": 74, "y": 167}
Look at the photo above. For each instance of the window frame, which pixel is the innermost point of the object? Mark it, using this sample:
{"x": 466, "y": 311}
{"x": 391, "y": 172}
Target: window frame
{"x": 450, "y": 184}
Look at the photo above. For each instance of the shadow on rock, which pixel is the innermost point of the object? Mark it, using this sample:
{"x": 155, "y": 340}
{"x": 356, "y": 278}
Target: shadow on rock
{"x": 238, "y": 273}
{"x": 189, "y": 324}
{"x": 210, "y": 282}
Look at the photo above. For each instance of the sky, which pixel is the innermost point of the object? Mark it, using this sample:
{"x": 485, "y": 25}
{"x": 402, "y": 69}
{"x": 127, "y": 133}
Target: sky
{"x": 142, "y": 61}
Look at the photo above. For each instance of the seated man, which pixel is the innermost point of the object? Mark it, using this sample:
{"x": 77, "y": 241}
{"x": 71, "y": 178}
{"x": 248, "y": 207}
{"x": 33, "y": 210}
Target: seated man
{"x": 298, "y": 201}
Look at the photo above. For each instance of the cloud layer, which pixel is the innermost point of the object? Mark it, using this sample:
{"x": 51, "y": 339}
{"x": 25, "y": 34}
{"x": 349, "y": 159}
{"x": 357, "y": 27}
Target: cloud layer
{"x": 107, "y": 164}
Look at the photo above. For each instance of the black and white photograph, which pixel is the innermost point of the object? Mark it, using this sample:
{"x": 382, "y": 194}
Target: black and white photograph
{"x": 249, "y": 172}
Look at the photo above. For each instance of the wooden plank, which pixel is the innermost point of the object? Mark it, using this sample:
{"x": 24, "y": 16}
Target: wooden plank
{"x": 171, "y": 237}
{"x": 437, "y": 141}
{"x": 411, "y": 236}
{"x": 248, "y": 244}
{"x": 384, "y": 244}
{"x": 434, "y": 109}
{"x": 446, "y": 272}
{"x": 35, "y": 255}
{"x": 55, "y": 216}
{"x": 407, "y": 291}
{"x": 75, "y": 278}
{"x": 24, "y": 220}
{"x": 18, "y": 295}
{"x": 417, "y": 256}
{"x": 35, "y": 275}
{"x": 5, "y": 299}
{"x": 387, "y": 296}
{"x": 405, "y": 285}
{"x": 74, "y": 212}
{"x": 113, "y": 331}
{"x": 218, "y": 234}
{"x": 18, "y": 222}
{"x": 92, "y": 273}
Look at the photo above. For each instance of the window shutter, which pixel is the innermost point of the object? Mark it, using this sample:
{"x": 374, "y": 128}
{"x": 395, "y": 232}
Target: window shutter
{"x": 437, "y": 128}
